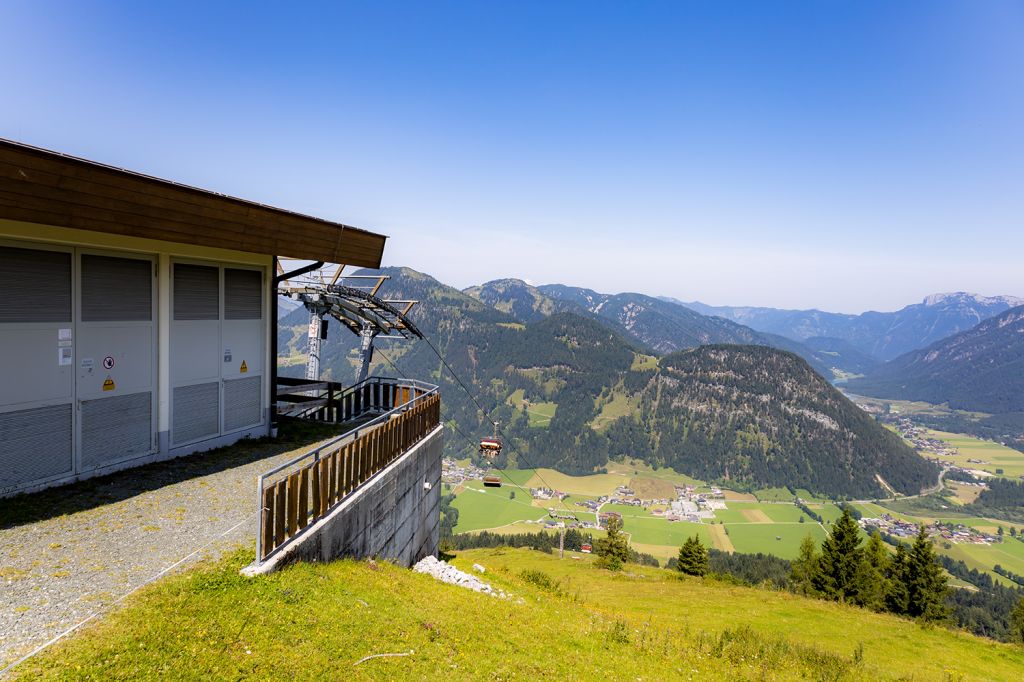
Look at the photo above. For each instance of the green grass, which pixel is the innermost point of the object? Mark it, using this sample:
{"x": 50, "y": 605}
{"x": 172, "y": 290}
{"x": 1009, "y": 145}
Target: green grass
{"x": 541, "y": 414}
{"x": 619, "y": 406}
{"x": 828, "y": 512}
{"x": 656, "y": 531}
{"x": 760, "y": 537}
{"x": 481, "y": 507}
{"x": 774, "y": 495}
{"x": 643, "y": 362}
{"x": 520, "y": 476}
{"x": 568, "y": 620}
{"x": 993, "y": 455}
{"x": 636, "y": 467}
{"x": 594, "y": 484}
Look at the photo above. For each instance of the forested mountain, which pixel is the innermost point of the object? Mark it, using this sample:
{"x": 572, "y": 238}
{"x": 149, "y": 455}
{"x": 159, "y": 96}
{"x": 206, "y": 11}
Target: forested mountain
{"x": 524, "y": 302}
{"x": 658, "y": 326}
{"x": 752, "y": 414}
{"x": 980, "y": 370}
{"x": 881, "y": 335}
{"x": 570, "y": 392}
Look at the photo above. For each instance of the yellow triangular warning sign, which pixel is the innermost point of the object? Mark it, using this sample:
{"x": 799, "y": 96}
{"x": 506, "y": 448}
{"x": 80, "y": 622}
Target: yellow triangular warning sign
{"x": 244, "y": 368}
{"x": 108, "y": 384}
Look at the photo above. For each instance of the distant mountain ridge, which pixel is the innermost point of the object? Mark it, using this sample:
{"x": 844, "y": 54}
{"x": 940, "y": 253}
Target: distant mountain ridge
{"x": 659, "y": 327}
{"x": 881, "y": 335}
{"x": 981, "y": 369}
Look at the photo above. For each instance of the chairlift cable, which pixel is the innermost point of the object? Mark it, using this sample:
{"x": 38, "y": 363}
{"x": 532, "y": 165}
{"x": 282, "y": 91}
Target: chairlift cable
{"x": 497, "y": 428}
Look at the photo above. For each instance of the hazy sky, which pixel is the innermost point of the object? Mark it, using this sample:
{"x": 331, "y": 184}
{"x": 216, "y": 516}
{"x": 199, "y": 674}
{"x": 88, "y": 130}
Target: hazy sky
{"x": 839, "y": 155}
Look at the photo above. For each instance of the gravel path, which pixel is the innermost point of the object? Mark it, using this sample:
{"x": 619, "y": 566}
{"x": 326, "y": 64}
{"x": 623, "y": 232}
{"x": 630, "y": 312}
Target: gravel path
{"x": 69, "y": 552}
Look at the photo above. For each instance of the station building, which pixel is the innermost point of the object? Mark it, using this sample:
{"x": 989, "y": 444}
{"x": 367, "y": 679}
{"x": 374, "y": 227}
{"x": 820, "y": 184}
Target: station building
{"x": 137, "y": 315}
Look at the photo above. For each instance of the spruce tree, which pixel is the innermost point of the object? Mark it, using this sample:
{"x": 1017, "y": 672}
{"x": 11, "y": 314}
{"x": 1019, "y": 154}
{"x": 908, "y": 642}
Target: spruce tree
{"x": 840, "y": 556}
{"x": 804, "y": 567}
{"x": 693, "y": 558}
{"x": 926, "y": 583}
{"x": 1017, "y": 622}
{"x": 896, "y": 574}
{"x": 613, "y": 549}
{"x": 871, "y": 583}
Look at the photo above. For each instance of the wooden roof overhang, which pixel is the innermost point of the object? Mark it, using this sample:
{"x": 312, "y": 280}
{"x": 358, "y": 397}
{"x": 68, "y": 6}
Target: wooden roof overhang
{"x": 50, "y": 188}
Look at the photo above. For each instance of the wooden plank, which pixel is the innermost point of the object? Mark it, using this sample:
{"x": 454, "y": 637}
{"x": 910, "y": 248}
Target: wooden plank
{"x": 315, "y": 485}
{"x": 267, "y": 522}
{"x": 339, "y": 476}
{"x": 279, "y": 512}
{"x": 293, "y": 504}
{"x": 328, "y": 481}
{"x": 322, "y": 465}
{"x": 303, "y": 511}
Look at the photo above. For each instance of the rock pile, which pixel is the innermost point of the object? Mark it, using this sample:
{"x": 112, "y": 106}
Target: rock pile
{"x": 447, "y": 573}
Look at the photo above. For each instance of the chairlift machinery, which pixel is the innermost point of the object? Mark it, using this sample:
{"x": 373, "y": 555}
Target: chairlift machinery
{"x": 353, "y": 301}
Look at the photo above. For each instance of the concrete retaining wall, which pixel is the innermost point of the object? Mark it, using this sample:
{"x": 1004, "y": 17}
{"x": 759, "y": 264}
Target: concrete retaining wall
{"x": 392, "y": 516}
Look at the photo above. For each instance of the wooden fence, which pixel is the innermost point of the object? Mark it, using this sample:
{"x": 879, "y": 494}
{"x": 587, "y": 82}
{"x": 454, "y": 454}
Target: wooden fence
{"x": 307, "y": 491}
{"x": 328, "y": 401}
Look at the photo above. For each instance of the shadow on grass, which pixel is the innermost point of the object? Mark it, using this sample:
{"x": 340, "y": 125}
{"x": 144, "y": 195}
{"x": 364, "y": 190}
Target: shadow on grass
{"x": 122, "y": 485}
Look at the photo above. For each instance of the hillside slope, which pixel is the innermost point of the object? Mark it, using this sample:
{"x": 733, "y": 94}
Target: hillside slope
{"x": 980, "y": 370}
{"x": 884, "y": 335}
{"x": 566, "y": 621}
{"x": 755, "y": 415}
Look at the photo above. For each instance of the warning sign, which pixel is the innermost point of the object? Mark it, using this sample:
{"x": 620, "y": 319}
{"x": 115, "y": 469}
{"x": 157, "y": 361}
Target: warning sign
{"x": 108, "y": 384}
{"x": 108, "y": 362}
{"x": 244, "y": 368}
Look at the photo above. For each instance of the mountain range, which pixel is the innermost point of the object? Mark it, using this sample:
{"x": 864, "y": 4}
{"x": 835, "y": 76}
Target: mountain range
{"x": 657, "y": 326}
{"x": 980, "y": 370}
{"x": 882, "y": 335}
{"x": 574, "y": 385}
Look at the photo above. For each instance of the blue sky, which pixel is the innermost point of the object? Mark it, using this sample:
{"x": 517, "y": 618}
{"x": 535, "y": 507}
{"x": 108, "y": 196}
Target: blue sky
{"x": 839, "y": 155}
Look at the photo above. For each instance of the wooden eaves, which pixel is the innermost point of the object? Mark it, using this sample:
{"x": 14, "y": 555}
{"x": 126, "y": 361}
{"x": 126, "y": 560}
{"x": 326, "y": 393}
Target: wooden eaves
{"x": 50, "y": 188}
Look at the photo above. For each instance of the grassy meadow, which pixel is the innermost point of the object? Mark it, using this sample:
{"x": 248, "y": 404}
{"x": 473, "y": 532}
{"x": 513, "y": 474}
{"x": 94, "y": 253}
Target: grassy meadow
{"x": 567, "y": 620}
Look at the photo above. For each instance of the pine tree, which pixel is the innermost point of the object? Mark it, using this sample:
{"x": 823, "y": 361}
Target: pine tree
{"x": 693, "y": 558}
{"x": 840, "y": 556}
{"x": 1017, "y": 622}
{"x": 613, "y": 549}
{"x": 804, "y": 568}
{"x": 896, "y": 596}
{"x": 926, "y": 583}
{"x": 871, "y": 583}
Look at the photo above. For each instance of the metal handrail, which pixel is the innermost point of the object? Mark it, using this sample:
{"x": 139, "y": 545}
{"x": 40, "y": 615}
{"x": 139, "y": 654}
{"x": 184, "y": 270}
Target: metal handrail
{"x": 332, "y": 444}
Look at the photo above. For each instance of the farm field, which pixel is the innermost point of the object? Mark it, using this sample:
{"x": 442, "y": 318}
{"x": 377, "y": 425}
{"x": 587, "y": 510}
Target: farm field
{"x": 965, "y": 494}
{"x": 671, "y": 534}
{"x": 755, "y": 537}
{"x": 993, "y": 455}
{"x": 774, "y": 495}
{"x": 634, "y": 467}
{"x": 594, "y": 484}
{"x": 481, "y": 507}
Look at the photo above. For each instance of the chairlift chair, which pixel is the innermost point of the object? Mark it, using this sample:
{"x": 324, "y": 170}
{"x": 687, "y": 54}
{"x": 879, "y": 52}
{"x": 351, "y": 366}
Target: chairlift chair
{"x": 490, "y": 447}
{"x": 491, "y": 481}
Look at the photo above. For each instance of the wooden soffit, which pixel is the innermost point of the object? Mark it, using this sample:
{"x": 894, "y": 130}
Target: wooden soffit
{"x": 41, "y": 186}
